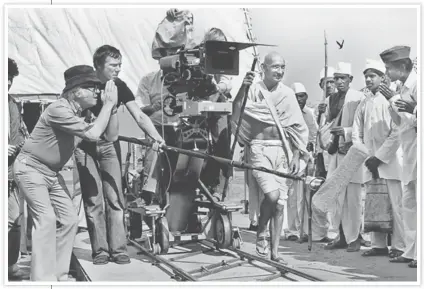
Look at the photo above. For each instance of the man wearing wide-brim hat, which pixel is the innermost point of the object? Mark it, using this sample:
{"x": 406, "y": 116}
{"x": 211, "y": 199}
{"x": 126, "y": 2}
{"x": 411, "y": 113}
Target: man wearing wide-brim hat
{"x": 44, "y": 154}
{"x": 374, "y": 128}
{"x": 403, "y": 111}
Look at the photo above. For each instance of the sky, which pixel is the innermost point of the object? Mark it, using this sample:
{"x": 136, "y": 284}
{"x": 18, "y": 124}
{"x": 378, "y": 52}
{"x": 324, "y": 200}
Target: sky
{"x": 299, "y": 34}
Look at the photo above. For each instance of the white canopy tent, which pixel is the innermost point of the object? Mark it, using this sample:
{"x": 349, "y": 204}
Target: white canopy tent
{"x": 46, "y": 41}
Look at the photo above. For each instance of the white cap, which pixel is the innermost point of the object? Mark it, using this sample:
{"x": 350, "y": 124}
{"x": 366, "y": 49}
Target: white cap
{"x": 375, "y": 64}
{"x": 344, "y": 68}
{"x": 298, "y": 87}
{"x": 330, "y": 72}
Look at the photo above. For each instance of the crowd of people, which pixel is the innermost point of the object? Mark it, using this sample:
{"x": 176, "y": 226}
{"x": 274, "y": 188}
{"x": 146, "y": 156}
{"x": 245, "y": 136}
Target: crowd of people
{"x": 382, "y": 118}
{"x": 278, "y": 131}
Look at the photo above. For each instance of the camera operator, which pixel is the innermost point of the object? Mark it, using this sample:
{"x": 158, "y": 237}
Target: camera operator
{"x": 151, "y": 92}
{"x": 100, "y": 170}
{"x": 17, "y": 135}
{"x": 218, "y": 126}
{"x": 36, "y": 169}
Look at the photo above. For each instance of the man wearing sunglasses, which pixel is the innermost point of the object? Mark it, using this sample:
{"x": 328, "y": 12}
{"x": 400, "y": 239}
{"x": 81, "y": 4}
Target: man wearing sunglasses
{"x": 36, "y": 168}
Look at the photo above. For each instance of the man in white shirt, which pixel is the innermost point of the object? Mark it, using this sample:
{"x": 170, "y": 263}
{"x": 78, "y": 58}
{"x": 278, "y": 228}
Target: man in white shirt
{"x": 295, "y": 201}
{"x": 319, "y": 113}
{"x": 374, "y": 127}
{"x": 400, "y": 67}
{"x": 342, "y": 106}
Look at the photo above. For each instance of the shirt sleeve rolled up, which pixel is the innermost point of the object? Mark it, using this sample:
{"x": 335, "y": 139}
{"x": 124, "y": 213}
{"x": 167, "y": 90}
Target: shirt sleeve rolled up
{"x": 63, "y": 118}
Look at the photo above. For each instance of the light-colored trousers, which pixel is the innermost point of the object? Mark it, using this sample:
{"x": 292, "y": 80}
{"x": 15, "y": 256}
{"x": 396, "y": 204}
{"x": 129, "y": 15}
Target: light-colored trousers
{"x": 77, "y": 198}
{"x": 296, "y": 207}
{"x": 348, "y": 209}
{"x": 54, "y": 217}
{"x": 379, "y": 240}
{"x": 409, "y": 211}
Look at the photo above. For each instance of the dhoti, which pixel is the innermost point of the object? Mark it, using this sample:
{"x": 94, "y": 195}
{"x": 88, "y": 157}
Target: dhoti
{"x": 340, "y": 197}
{"x": 256, "y": 195}
{"x": 270, "y": 154}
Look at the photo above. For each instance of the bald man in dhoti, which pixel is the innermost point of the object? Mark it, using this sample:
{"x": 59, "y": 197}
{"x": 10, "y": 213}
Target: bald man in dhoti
{"x": 274, "y": 130}
{"x": 374, "y": 127}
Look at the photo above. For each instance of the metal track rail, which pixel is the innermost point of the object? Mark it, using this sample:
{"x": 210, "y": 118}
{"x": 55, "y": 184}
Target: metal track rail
{"x": 240, "y": 258}
{"x": 178, "y": 273}
{"x": 282, "y": 268}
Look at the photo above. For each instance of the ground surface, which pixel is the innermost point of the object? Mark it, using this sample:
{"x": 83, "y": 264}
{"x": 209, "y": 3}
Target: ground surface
{"x": 337, "y": 265}
{"x": 339, "y": 262}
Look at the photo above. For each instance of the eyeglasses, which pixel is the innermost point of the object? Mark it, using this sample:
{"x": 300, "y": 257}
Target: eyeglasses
{"x": 92, "y": 89}
{"x": 276, "y": 67}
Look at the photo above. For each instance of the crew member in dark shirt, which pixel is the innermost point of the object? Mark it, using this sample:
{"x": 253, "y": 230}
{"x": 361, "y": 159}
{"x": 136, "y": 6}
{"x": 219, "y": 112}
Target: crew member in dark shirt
{"x": 100, "y": 170}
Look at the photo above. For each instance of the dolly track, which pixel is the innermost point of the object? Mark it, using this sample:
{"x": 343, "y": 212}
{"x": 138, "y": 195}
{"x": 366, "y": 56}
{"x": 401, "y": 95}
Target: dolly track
{"x": 239, "y": 258}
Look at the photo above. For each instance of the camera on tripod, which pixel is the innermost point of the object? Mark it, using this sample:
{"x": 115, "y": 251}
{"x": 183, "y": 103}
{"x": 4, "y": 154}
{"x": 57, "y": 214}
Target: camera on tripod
{"x": 191, "y": 71}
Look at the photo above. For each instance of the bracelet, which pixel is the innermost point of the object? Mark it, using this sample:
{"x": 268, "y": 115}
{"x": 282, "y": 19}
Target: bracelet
{"x": 114, "y": 110}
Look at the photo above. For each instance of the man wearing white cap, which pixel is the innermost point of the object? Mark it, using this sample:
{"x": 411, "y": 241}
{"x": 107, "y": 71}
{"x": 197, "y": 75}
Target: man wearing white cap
{"x": 330, "y": 85}
{"x": 400, "y": 67}
{"x": 322, "y": 156}
{"x": 374, "y": 128}
{"x": 295, "y": 208}
{"x": 341, "y": 110}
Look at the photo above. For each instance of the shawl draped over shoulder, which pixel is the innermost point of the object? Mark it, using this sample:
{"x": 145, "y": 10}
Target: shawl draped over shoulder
{"x": 257, "y": 117}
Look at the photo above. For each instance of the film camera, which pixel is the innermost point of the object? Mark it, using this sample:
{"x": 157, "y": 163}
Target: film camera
{"x": 191, "y": 71}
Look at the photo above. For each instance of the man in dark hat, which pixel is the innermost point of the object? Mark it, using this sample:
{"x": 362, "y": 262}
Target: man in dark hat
{"x": 36, "y": 168}
{"x": 399, "y": 66}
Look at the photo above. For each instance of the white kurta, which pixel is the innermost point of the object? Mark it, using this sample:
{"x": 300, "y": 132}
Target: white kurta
{"x": 408, "y": 126}
{"x": 408, "y": 136}
{"x": 296, "y": 201}
{"x": 348, "y": 206}
{"x": 322, "y": 122}
{"x": 308, "y": 116}
{"x": 374, "y": 127}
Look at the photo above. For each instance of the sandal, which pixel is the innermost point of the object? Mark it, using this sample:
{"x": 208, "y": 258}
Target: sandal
{"x": 326, "y": 240}
{"x": 395, "y": 253}
{"x": 101, "y": 260}
{"x": 400, "y": 259}
{"x": 293, "y": 238}
{"x": 335, "y": 245}
{"x": 262, "y": 247}
{"x": 279, "y": 260}
{"x": 304, "y": 239}
{"x": 413, "y": 264}
{"x": 376, "y": 252}
{"x": 121, "y": 259}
